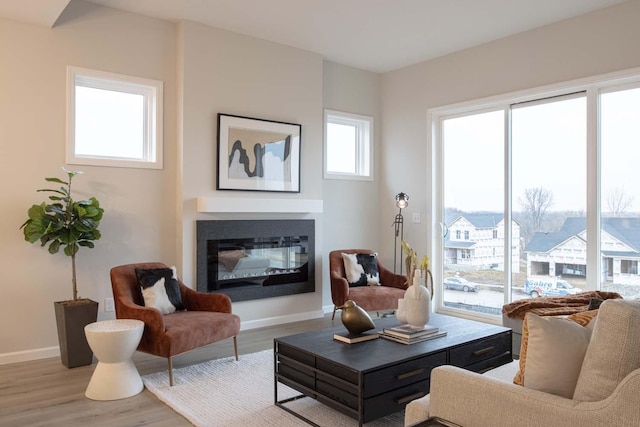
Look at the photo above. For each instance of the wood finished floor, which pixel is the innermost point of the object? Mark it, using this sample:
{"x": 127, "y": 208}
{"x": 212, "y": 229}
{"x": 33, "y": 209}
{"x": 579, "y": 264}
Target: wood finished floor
{"x": 45, "y": 393}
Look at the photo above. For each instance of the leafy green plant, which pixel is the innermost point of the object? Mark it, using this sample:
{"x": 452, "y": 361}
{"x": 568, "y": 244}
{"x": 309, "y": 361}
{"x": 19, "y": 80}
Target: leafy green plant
{"x": 64, "y": 223}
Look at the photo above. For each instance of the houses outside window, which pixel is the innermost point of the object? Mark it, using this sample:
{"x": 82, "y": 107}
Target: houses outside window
{"x": 538, "y": 153}
{"x": 348, "y": 146}
{"x": 628, "y": 266}
{"x": 113, "y": 119}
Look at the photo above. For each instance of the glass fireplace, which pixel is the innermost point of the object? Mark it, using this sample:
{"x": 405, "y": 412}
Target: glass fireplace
{"x": 254, "y": 259}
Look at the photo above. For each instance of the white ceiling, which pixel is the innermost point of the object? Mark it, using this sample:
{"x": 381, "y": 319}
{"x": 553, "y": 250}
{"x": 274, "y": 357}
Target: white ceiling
{"x": 375, "y": 35}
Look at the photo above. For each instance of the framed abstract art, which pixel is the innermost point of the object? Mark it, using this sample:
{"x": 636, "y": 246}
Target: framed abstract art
{"x": 258, "y": 154}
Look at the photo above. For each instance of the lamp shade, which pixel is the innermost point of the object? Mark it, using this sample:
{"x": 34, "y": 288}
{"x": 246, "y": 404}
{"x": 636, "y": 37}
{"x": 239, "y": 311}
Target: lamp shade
{"x": 402, "y": 200}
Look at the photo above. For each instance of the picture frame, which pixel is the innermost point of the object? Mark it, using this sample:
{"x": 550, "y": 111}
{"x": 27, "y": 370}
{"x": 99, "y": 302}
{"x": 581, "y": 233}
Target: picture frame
{"x": 258, "y": 154}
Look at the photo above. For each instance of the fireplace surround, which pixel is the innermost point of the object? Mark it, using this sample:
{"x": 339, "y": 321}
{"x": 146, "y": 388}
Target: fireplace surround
{"x": 254, "y": 259}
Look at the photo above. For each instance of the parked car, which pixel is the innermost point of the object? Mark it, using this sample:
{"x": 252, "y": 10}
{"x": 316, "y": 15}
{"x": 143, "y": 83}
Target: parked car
{"x": 460, "y": 284}
{"x": 549, "y": 287}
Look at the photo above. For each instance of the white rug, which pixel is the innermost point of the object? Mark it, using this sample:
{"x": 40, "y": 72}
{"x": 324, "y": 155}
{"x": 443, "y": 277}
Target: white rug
{"x": 224, "y": 392}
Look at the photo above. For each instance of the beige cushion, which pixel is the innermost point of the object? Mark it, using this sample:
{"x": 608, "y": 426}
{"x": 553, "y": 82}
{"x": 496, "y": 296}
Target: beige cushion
{"x": 584, "y": 318}
{"x": 614, "y": 350}
{"x": 555, "y": 353}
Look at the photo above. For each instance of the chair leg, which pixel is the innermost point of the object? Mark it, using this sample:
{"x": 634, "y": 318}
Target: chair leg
{"x": 334, "y": 312}
{"x": 170, "y": 371}
{"x": 235, "y": 347}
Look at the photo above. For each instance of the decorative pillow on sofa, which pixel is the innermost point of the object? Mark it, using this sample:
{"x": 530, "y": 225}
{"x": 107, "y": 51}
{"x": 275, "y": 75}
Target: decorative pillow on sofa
{"x": 613, "y": 353}
{"x": 548, "y": 341}
{"x": 556, "y": 349}
{"x": 160, "y": 289}
{"x": 361, "y": 269}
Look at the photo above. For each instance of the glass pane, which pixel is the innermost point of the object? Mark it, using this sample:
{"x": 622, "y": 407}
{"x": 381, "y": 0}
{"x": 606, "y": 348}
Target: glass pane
{"x": 473, "y": 170}
{"x": 341, "y": 148}
{"x": 109, "y": 123}
{"x": 549, "y": 196}
{"x": 620, "y": 203}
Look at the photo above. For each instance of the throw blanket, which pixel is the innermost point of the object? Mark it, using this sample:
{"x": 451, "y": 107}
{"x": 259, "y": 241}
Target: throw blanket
{"x": 555, "y": 306}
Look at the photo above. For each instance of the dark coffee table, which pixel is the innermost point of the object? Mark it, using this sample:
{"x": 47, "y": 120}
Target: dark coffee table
{"x": 371, "y": 379}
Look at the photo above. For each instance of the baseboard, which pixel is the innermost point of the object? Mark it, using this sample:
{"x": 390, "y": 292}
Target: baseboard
{"x": 279, "y": 320}
{"x": 27, "y": 355}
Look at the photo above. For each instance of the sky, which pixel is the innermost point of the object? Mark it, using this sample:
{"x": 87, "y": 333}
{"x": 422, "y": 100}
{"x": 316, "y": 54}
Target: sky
{"x": 549, "y": 151}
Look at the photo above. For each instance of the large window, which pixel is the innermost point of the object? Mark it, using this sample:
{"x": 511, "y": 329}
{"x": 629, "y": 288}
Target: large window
{"x": 620, "y": 193}
{"x": 113, "y": 120}
{"x": 541, "y": 184}
{"x": 348, "y": 146}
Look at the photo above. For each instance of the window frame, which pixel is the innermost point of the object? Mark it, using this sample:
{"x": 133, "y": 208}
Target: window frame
{"x": 364, "y": 144}
{"x": 152, "y": 92}
{"x": 593, "y": 87}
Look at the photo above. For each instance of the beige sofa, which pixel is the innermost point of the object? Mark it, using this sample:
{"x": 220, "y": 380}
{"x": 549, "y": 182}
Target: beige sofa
{"x": 607, "y": 392}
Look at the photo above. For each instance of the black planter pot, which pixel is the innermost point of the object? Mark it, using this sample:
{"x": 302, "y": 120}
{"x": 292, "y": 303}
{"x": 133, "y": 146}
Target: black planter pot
{"x": 71, "y": 318}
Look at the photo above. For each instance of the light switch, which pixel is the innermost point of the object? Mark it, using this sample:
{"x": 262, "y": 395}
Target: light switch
{"x": 416, "y": 218}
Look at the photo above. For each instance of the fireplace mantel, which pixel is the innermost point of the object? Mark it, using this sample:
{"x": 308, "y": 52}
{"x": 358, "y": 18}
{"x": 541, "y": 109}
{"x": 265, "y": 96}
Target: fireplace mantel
{"x": 236, "y": 204}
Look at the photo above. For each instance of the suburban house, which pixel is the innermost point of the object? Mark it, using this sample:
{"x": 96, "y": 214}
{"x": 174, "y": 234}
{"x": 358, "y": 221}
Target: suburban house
{"x": 153, "y": 214}
{"x": 476, "y": 240}
{"x": 564, "y": 252}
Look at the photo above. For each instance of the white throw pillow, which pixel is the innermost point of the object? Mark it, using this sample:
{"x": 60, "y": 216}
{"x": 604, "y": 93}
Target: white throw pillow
{"x": 156, "y": 296}
{"x": 352, "y": 269}
{"x": 160, "y": 289}
{"x": 555, "y": 353}
{"x": 361, "y": 269}
{"x": 614, "y": 350}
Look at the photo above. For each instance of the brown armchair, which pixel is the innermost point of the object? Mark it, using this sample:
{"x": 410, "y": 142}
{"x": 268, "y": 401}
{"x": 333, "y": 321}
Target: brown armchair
{"x": 207, "y": 318}
{"x": 370, "y": 298}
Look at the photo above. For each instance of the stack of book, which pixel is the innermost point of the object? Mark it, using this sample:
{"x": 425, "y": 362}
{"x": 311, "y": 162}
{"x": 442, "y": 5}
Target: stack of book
{"x": 406, "y": 334}
{"x": 354, "y": 338}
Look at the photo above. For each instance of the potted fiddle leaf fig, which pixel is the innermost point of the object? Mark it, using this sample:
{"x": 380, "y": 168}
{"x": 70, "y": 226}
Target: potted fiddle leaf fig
{"x": 68, "y": 224}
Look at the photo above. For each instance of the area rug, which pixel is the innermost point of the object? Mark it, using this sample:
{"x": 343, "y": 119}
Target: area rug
{"x": 224, "y": 392}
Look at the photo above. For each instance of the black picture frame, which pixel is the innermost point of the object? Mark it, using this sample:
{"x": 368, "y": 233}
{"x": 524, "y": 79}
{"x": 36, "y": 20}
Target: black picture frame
{"x": 258, "y": 154}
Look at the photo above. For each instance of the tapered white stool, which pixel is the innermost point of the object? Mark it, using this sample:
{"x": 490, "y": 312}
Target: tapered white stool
{"x": 114, "y": 342}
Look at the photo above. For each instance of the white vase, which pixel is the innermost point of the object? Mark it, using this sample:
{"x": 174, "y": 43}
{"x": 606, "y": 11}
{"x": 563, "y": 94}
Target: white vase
{"x": 417, "y": 303}
{"x": 401, "y": 312}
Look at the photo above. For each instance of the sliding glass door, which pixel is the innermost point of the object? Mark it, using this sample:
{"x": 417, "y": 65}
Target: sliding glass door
{"x": 620, "y": 196}
{"x": 536, "y": 195}
{"x": 473, "y": 196}
{"x": 549, "y": 204}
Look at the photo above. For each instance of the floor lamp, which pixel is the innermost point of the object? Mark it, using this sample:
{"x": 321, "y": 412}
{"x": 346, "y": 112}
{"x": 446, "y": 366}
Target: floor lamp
{"x": 402, "y": 201}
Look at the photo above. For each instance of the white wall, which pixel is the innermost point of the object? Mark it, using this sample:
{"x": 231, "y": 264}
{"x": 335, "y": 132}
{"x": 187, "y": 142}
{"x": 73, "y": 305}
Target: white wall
{"x": 224, "y": 72}
{"x": 592, "y": 44}
{"x": 351, "y": 207}
{"x": 139, "y": 204}
{"x": 150, "y": 214}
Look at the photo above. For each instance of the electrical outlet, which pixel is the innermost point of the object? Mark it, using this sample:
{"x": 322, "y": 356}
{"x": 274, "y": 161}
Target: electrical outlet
{"x": 108, "y": 304}
{"x": 416, "y": 218}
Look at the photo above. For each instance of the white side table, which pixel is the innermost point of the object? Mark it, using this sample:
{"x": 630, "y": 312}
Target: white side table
{"x": 114, "y": 342}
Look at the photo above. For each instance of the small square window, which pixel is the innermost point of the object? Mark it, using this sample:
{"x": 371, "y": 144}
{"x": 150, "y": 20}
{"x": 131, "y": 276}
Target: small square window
{"x": 348, "y": 146}
{"x": 113, "y": 119}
